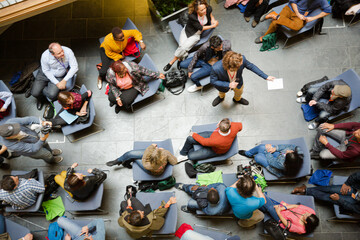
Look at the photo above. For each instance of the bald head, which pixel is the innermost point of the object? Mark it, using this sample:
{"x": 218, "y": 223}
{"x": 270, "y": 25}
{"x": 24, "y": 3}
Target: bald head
{"x": 56, "y": 50}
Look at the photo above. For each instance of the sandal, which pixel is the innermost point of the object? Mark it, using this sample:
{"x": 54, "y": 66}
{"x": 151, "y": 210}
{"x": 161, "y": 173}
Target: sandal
{"x": 185, "y": 209}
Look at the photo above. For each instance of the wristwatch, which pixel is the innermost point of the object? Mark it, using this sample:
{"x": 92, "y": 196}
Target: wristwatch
{"x": 141, "y": 41}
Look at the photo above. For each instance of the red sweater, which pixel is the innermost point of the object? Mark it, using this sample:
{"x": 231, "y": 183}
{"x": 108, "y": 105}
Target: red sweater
{"x": 353, "y": 149}
{"x": 219, "y": 144}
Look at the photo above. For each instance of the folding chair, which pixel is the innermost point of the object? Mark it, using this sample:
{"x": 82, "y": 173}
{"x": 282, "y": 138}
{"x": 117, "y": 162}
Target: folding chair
{"x": 75, "y": 132}
{"x": 214, "y": 233}
{"x": 15, "y": 230}
{"x": 154, "y": 199}
{"x": 305, "y": 168}
{"x": 12, "y": 106}
{"x": 211, "y": 127}
{"x": 139, "y": 174}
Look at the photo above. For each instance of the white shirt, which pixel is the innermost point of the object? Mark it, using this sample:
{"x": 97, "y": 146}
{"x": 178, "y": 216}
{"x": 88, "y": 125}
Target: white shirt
{"x": 6, "y": 96}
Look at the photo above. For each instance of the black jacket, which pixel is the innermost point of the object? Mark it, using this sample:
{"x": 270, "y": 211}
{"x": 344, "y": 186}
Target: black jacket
{"x": 193, "y": 25}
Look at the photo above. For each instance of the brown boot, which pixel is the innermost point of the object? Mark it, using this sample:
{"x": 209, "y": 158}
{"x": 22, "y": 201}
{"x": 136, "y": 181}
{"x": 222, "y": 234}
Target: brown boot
{"x": 299, "y": 190}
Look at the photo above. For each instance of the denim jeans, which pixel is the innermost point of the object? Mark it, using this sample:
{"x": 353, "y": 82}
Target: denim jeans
{"x": 131, "y": 156}
{"x": 2, "y": 224}
{"x": 268, "y": 208}
{"x": 259, "y": 155}
{"x": 96, "y": 228}
{"x": 200, "y": 154}
{"x": 323, "y": 193}
{"x": 204, "y": 71}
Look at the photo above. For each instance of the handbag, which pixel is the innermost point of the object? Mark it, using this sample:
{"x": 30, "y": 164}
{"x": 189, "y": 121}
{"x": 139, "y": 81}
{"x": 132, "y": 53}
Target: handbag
{"x": 310, "y": 112}
{"x": 49, "y": 112}
{"x": 274, "y": 230}
{"x": 269, "y": 42}
{"x": 175, "y": 79}
{"x": 130, "y": 192}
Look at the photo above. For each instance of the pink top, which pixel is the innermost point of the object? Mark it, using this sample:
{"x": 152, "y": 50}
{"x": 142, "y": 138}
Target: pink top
{"x": 124, "y": 82}
{"x": 296, "y": 226}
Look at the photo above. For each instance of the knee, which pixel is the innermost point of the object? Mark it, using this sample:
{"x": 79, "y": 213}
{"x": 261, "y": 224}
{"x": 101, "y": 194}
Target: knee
{"x": 52, "y": 95}
{"x": 262, "y": 148}
{"x": 36, "y": 92}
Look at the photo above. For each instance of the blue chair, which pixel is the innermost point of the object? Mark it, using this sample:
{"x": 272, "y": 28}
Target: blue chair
{"x": 15, "y": 230}
{"x": 127, "y": 26}
{"x": 147, "y": 62}
{"x": 154, "y": 199}
{"x": 139, "y": 174}
{"x": 78, "y": 222}
{"x": 34, "y": 208}
{"x": 352, "y": 19}
{"x": 340, "y": 180}
{"x": 12, "y": 106}
{"x": 308, "y": 26}
{"x": 306, "y": 167}
{"x": 176, "y": 29}
{"x": 216, "y": 234}
{"x": 69, "y": 85}
{"x": 74, "y": 132}
{"x": 211, "y": 127}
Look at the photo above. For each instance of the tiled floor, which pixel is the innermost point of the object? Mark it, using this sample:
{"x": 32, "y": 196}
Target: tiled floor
{"x": 270, "y": 115}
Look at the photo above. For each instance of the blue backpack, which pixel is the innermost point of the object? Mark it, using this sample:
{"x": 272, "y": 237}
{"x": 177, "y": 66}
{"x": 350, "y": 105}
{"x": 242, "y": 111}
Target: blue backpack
{"x": 310, "y": 112}
{"x": 55, "y": 232}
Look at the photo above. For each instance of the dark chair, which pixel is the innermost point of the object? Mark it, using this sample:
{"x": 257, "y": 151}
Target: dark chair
{"x": 12, "y": 106}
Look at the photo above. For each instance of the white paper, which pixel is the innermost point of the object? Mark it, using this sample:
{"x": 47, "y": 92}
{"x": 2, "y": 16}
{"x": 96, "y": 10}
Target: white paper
{"x": 275, "y": 84}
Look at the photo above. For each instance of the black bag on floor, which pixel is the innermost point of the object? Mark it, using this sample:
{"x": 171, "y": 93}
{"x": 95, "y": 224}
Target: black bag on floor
{"x": 274, "y": 230}
{"x": 175, "y": 79}
{"x": 50, "y": 186}
{"x": 130, "y": 192}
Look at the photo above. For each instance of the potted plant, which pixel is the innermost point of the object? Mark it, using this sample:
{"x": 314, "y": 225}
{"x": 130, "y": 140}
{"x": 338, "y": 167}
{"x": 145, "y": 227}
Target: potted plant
{"x": 165, "y": 9}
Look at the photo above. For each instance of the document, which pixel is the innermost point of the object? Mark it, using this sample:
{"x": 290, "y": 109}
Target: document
{"x": 275, "y": 84}
{"x": 68, "y": 117}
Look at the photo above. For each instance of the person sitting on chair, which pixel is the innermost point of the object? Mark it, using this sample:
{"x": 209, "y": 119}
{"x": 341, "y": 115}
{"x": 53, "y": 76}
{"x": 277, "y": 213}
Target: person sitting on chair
{"x": 140, "y": 220}
{"x": 28, "y": 236}
{"x": 95, "y": 230}
{"x": 126, "y": 80}
{"x": 295, "y": 15}
{"x": 5, "y": 100}
{"x": 214, "y": 143}
{"x": 256, "y": 7}
{"x": 78, "y": 185}
{"x": 338, "y": 96}
{"x": 210, "y": 199}
{"x": 153, "y": 159}
{"x": 347, "y": 196}
{"x": 280, "y": 160}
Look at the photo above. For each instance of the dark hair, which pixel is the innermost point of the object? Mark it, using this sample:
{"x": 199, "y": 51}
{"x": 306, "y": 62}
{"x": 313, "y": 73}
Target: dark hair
{"x": 213, "y": 196}
{"x": 116, "y": 31}
{"x": 63, "y": 97}
{"x": 225, "y": 125}
{"x": 86, "y": 238}
{"x": 245, "y": 186}
{"x": 8, "y": 183}
{"x": 134, "y": 218}
{"x": 74, "y": 182}
{"x": 118, "y": 67}
{"x": 215, "y": 41}
{"x": 293, "y": 162}
{"x": 312, "y": 222}
{"x": 193, "y": 7}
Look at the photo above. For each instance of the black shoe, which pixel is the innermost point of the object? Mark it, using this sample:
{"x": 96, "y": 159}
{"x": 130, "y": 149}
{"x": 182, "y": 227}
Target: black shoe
{"x": 112, "y": 163}
{"x": 315, "y": 155}
{"x": 242, "y": 153}
{"x": 185, "y": 209}
{"x": 217, "y": 100}
{"x": 179, "y": 186}
{"x": 111, "y": 104}
{"x": 127, "y": 164}
{"x": 28, "y": 93}
{"x": 4, "y": 166}
{"x": 242, "y": 101}
{"x": 117, "y": 109}
{"x": 167, "y": 67}
{"x": 39, "y": 105}
{"x": 178, "y": 65}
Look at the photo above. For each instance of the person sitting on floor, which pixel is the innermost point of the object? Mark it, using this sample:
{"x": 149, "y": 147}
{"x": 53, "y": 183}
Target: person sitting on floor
{"x": 74, "y": 103}
{"x": 95, "y": 230}
{"x": 113, "y": 46}
{"x": 295, "y": 15}
{"x": 244, "y": 205}
{"x": 210, "y": 199}
{"x": 214, "y": 143}
{"x": 126, "y": 80}
{"x": 79, "y": 186}
{"x": 208, "y": 54}
{"x": 346, "y": 134}
{"x": 347, "y": 196}
{"x": 338, "y": 94}
{"x": 153, "y": 159}
{"x": 140, "y": 220}
{"x": 5, "y": 100}
{"x": 280, "y": 160}
{"x": 296, "y": 218}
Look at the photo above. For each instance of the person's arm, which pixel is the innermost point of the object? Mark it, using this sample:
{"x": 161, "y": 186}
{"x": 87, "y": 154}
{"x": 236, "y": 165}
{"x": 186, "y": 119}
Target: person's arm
{"x": 207, "y": 142}
{"x": 252, "y": 67}
{"x": 196, "y": 56}
{"x": 3, "y": 149}
{"x": 36, "y": 186}
{"x": 45, "y": 67}
{"x": 324, "y": 88}
{"x": 296, "y": 11}
{"x": 214, "y": 23}
{"x": 29, "y": 236}
{"x": 136, "y": 34}
{"x": 144, "y": 71}
{"x": 82, "y": 111}
{"x": 234, "y": 184}
{"x": 278, "y": 209}
{"x": 349, "y": 126}
{"x": 338, "y": 105}
{"x": 7, "y": 96}
{"x": 259, "y": 192}
{"x": 320, "y": 15}
{"x": 111, "y": 79}
{"x": 349, "y": 153}
{"x": 281, "y": 147}
{"x": 73, "y": 64}
{"x": 98, "y": 226}
{"x": 214, "y": 80}
{"x": 171, "y": 158}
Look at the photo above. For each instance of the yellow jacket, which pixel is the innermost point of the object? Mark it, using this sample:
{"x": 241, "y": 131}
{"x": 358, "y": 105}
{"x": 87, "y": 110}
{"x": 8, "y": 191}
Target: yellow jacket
{"x": 113, "y": 49}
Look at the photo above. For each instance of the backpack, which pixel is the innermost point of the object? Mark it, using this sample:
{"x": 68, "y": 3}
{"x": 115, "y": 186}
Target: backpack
{"x": 55, "y": 232}
{"x": 167, "y": 183}
{"x": 269, "y": 43}
{"x": 26, "y": 79}
{"x": 204, "y": 167}
{"x": 310, "y": 112}
{"x": 175, "y": 79}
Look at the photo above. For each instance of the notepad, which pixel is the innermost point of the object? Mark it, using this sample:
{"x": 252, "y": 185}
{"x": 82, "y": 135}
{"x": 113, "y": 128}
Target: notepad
{"x": 68, "y": 117}
{"x": 275, "y": 84}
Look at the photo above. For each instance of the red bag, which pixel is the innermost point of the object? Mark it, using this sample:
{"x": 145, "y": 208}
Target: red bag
{"x": 132, "y": 48}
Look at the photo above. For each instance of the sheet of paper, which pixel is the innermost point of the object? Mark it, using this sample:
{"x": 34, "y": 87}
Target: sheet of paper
{"x": 68, "y": 117}
{"x": 275, "y": 84}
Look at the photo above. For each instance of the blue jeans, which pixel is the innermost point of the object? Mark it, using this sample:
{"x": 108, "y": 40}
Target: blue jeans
{"x": 259, "y": 152}
{"x": 2, "y": 224}
{"x": 200, "y": 154}
{"x": 268, "y": 208}
{"x": 204, "y": 71}
{"x": 96, "y": 228}
{"x": 131, "y": 156}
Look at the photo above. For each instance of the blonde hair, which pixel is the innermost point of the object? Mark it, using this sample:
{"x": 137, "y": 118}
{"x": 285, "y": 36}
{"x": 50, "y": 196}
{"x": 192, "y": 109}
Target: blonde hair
{"x": 232, "y": 60}
{"x": 225, "y": 125}
{"x": 193, "y": 7}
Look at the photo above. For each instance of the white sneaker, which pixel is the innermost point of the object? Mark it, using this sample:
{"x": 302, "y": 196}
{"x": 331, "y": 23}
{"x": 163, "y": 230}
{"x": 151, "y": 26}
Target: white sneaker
{"x": 313, "y": 125}
{"x": 299, "y": 93}
{"x": 182, "y": 158}
{"x": 194, "y": 88}
{"x": 301, "y": 100}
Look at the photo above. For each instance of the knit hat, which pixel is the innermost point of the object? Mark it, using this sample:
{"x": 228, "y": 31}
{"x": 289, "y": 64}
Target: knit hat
{"x": 342, "y": 90}
{"x": 7, "y": 130}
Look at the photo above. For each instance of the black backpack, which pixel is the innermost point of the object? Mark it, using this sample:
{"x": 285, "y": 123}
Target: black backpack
{"x": 175, "y": 79}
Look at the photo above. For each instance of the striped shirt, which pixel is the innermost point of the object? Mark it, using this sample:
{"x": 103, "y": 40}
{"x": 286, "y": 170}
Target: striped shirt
{"x": 24, "y": 195}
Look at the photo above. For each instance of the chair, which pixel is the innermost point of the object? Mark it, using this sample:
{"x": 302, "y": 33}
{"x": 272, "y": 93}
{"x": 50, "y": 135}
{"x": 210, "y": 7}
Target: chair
{"x": 214, "y": 233}
{"x": 154, "y": 199}
{"x": 74, "y": 132}
{"x": 127, "y": 26}
{"x": 15, "y": 230}
{"x": 211, "y": 127}
{"x": 12, "y": 106}
{"x": 78, "y": 222}
{"x": 176, "y": 29}
{"x": 352, "y": 19}
{"x": 34, "y": 208}
{"x": 340, "y": 180}
{"x": 308, "y": 26}
{"x": 90, "y": 206}
{"x": 292, "y": 199}
{"x": 147, "y": 62}
{"x": 139, "y": 174}
{"x": 306, "y": 167}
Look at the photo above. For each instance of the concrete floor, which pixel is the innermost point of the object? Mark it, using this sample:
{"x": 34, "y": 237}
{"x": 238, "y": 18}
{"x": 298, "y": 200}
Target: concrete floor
{"x": 270, "y": 115}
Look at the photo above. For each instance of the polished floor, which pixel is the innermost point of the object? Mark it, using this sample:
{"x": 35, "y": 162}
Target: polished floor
{"x": 270, "y": 115}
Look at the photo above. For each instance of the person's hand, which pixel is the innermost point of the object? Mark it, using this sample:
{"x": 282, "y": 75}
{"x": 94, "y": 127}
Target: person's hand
{"x": 29, "y": 236}
{"x": 46, "y": 123}
{"x": 43, "y": 138}
{"x": 2, "y": 109}
{"x": 270, "y": 78}
{"x": 67, "y": 237}
{"x": 74, "y": 165}
{"x": 215, "y": 23}
{"x": 335, "y": 196}
{"x": 277, "y": 208}
{"x": 172, "y": 200}
{"x": 269, "y": 148}
{"x": 81, "y": 113}
{"x": 260, "y": 2}
{"x": 327, "y": 126}
{"x": 309, "y": 19}
{"x": 119, "y": 102}
{"x": 302, "y": 17}
{"x": 84, "y": 230}
{"x": 142, "y": 45}
{"x": 128, "y": 202}
{"x": 161, "y": 76}
{"x": 312, "y": 103}
{"x": 89, "y": 170}
{"x": 189, "y": 74}
{"x": 61, "y": 85}
{"x": 345, "y": 189}
{"x": 323, "y": 140}
{"x": 233, "y": 85}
